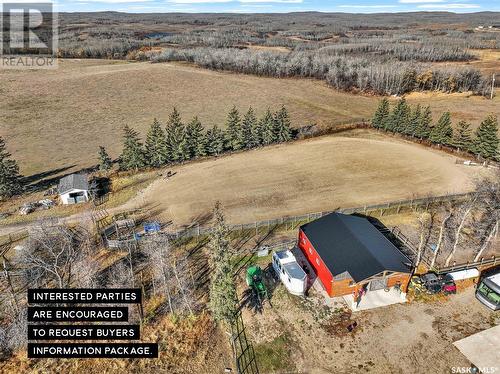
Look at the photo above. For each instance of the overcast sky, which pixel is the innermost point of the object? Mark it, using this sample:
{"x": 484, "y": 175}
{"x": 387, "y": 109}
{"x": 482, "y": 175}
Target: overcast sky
{"x": 277, "y": 6}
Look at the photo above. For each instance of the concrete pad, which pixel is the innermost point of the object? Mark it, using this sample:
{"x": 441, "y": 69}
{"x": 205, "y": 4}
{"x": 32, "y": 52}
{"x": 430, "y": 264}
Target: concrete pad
{"x": 376, "y": 299}
{"x": 482, "y": 349}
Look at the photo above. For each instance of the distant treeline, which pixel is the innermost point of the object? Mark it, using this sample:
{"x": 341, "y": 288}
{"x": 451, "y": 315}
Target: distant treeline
{"x": 177, "y": 142}
{"x": 290, "y": 30}
{"x": 380, "y": 53}
{"x": 417, "y": 122}
{"x": 429, "y": 51}
{"x": 341, "y": 72}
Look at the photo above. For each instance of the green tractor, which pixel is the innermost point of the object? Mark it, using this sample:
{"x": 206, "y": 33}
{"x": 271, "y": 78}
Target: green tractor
{"x": 256, "y": 283}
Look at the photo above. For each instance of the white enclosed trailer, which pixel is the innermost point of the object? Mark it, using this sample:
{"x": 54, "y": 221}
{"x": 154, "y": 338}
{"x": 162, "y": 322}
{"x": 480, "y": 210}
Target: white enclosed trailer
{"x": 290, "y": 273}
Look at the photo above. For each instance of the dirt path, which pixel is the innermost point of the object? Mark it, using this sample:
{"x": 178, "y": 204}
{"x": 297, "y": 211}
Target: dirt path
{"x": 307, "y": 176}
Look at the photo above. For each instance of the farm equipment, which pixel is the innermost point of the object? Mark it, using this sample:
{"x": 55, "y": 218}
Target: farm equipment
{"x": 256, "y": 283}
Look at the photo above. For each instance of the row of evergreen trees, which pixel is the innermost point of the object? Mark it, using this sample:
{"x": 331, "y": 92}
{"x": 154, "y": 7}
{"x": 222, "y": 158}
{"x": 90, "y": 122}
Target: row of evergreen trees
{"x": 10, "y": 179}
{"x": 417, "y": 122}
{"x": 178, "y": 142}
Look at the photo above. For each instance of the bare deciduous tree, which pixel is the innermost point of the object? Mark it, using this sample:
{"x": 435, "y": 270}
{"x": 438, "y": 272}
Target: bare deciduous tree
{"x": 170, "y": 274}
{"x": 424, "y": 224}
{"x": 157, "y": 250}
{"x": 447, "y": 215}
{"x": 185, "y": 286}
{"x": 489, "y": 202}
{"x": 14, "y": 333}
{"x": 463, "y": 213}
{"x": 86, "y": 271}
{"x": 49, "y": 254}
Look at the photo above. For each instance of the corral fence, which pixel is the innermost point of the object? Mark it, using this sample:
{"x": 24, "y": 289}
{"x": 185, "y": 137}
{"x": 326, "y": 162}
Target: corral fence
{"x": 409, "y": 249}
{"x": 290, "y": 222}
{"x": 244, "y": 354}
{"x": 482, "y": 264}
{"x": 405, "y": 245}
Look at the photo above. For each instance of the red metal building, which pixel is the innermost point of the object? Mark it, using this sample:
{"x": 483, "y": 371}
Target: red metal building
{"x": 348, "y": 253}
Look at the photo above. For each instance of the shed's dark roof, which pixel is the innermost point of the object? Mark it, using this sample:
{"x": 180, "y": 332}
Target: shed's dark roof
{"x": 73, "y": 181}
{"x": 352, "y": 244}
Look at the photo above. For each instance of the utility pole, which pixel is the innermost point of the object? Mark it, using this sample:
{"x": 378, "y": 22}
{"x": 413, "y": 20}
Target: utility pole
{"x": 492, "y": 86}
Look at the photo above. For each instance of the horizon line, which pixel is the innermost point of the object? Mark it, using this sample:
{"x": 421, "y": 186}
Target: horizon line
{"x": 284, "y": 13}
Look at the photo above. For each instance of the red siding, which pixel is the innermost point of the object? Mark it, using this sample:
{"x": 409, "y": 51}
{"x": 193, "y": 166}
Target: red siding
{"x": 316, "y": 262}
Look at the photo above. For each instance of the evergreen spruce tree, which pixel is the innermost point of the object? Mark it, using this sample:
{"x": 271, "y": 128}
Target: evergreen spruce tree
{"x": 214, "y": 140}
{"x": 105, "y": 162}
{"x": 156, "y": 145}
{"x": 486, "y": 143}
{"x": 400, "y": 117}
{"x": 424, "y": 126}
{"x": 10, "y": 180}
{"x": 223, "y": 298}
{"x": 176, "y": 143}
{"x": 415, "y": 116}
{"x": 248, "y": 131}
{"x": 381, "y": 115}
{"x": 257, "y": 133}
{"x": 132, "y": 156}
{"x": 195, "y": 139}
{"x": 282, "y": 126}
{"x": 234, "y": 136}
{"x": 462, "y": 137}
{"x": 267, "y": 128}
{"x": 442, "y": 133}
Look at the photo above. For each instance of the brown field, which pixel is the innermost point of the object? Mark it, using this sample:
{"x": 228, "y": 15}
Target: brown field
{"x": 308, "y": 176}
{"x": 487, "y": 61}
{"x": 54, "y": 119}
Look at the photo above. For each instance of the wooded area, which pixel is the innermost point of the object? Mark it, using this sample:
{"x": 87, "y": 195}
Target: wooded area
{"x": 386, "y": 54}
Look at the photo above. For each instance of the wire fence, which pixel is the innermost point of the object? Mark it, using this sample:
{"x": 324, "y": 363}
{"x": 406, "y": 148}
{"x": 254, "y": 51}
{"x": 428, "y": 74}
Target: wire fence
{"x": 196, "y": 230}
{"x": 290, "y": 222}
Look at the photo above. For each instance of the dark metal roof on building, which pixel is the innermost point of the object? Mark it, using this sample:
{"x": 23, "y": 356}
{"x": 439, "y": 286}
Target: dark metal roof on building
{"x": 73, "y": 181}
{"x": 352, "y": 244}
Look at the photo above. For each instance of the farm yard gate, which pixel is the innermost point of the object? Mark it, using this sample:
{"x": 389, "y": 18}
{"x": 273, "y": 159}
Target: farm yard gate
{"x": 244, "y": 354}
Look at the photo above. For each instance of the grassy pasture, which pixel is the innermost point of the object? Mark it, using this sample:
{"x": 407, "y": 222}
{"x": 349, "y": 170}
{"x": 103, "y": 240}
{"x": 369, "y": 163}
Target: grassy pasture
{"x": 313, "y": 175}
{"x": 55, "y": 119}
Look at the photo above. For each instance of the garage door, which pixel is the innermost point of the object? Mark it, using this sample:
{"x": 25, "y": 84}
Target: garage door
{"x": 378, "y": 284}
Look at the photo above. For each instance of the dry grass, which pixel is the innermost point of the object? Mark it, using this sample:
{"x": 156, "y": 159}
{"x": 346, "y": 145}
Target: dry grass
{"x": 487, "y": 62}
{"x": 59, "y": 118}
{"x": 12, "y": 207}
{"x": 314, "y": 175}
{"x": 190, "y": 345}
{"x": 123, "y": 188}
{"x": 56, "y": 118}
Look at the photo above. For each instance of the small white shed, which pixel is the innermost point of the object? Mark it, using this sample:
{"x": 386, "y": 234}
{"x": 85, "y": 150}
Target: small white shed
{"x": 74, "y": 189}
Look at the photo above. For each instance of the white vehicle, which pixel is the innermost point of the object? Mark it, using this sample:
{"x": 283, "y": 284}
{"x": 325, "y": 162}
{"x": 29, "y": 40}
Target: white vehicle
{"x": 290, "y": 273}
